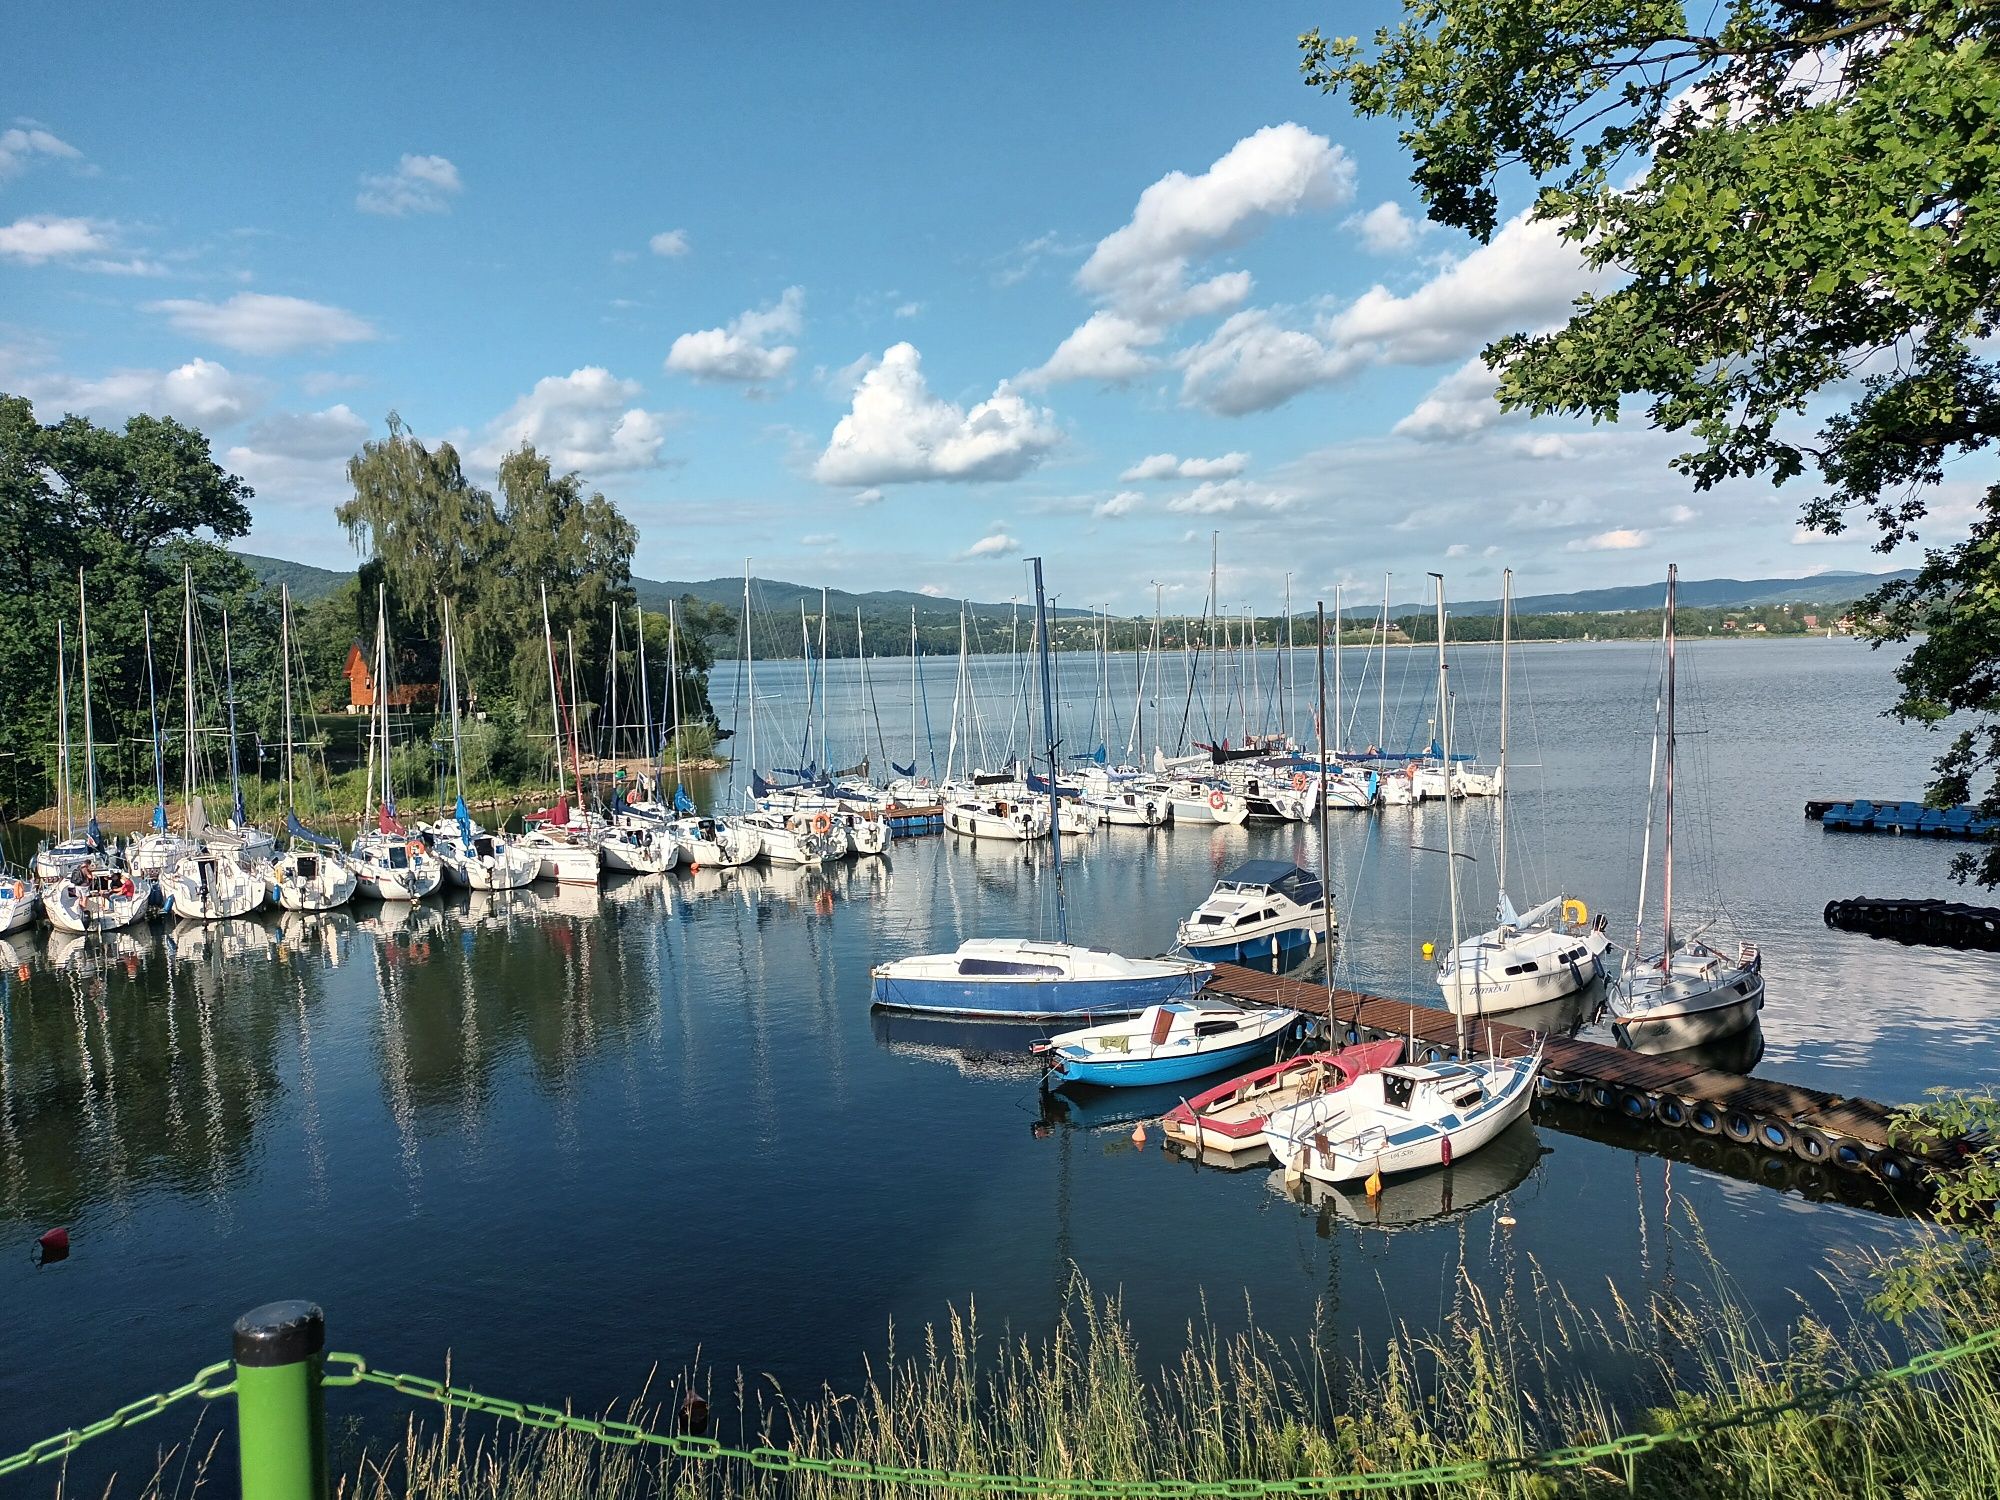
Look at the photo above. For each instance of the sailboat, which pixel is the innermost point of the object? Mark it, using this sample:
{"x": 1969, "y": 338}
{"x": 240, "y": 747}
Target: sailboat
{"x": 1031, "y": 978}
{"x": 149, "y": 854}
{"x": 1690, "y": 993}
{"x": 717, "y": 841}
{"x": 472, "y": 857}
{"x": 1526, "y": 958}
{"x": 390, "y": 862}
{"x": 312, "y": 874}
{"x": 627, "y": 844}
{"x": 93, "y": 894}
{"x": 55, "y": 860}
{"x": 561, "y": 840}
{"x": 1415, "y": 1116}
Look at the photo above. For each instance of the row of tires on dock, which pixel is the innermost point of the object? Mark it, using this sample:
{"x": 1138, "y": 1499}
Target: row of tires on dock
{"x": 1808, "y": 1143}
{"x": 1950, "y": 924}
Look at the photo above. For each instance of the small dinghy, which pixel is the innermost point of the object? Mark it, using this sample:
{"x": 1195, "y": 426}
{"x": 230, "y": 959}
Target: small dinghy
{"x": 1403, "y": 1119}
{"x": 1230, "y": 1117}
{"x": 1259, "y": 909}
{"x": 1166, "y": 1043}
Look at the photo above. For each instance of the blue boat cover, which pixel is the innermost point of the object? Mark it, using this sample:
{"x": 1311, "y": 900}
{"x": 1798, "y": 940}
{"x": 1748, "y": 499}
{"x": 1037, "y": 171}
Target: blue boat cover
{"x": 1280, "y": 875}
{"x": 299, "y": 830}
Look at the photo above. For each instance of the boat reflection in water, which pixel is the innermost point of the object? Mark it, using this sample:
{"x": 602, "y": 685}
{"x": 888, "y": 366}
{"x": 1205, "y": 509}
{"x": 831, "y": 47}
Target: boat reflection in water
{"x": 92, "y": 953}
{"x": 233, "y": 940}
{"x": 323, "y": 936}
{"x": 1732, "y": 1054}
{"x": 977, "y": 1049}
{"x": 1495, "y": 1169}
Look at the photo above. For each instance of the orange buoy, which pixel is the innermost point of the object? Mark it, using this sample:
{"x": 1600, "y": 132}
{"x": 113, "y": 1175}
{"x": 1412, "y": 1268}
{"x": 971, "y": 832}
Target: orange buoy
{"x": 1139, "y": 1134}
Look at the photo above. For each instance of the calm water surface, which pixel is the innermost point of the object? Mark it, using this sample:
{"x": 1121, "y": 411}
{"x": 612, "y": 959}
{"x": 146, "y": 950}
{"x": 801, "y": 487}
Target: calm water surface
{"x": 571, "y": 1137}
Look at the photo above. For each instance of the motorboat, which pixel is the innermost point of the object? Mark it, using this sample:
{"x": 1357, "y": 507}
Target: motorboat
{"x": 1166, "y": 1043}
{"x": 1032, "y": 979}
{"x": 1263, "y": 907}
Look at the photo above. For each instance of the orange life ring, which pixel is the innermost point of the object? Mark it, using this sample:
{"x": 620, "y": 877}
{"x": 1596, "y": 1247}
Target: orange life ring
{"x": 1299, "y": 782}
{"x": 822, "y": 824}
{"x": 1218, "y": 799}
{"x": 414, "y": 847}
{"x": 1410, "y": 771}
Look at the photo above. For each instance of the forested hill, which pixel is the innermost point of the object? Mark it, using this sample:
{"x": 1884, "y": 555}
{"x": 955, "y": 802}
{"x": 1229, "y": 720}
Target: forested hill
{"x": 882, "y": 607}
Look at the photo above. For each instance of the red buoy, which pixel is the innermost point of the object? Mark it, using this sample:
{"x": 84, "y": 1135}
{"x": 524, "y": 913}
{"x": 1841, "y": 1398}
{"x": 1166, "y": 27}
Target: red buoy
{"x": 54, "y": 1245}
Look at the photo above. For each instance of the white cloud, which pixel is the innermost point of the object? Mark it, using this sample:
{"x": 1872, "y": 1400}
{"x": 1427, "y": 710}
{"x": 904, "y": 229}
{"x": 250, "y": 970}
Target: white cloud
{"x": 1169, "y": 466}
{"x": 670, "y": 244}
{"x": 585, "y": 420}
{"x": 34, "y": 240}
{"x": 200, "y": 392}
{"x": 259, "y": 323}
{"x": 1385, "y": 228}
{"x": 333, "y": 433}
{"x": 996, "y": 544}
{"x": 1276, "y": 172}
{"x": 1121, "y": 504}
{"x": 931, "y": 591}
{"x": 1623, "y": 540}
{"x": 1457, "y": 550}
{"x": 1680, "y": 515}
{"x": 745, "y": 349}
{"x": 1525, "y": 277}
{"x": 1253, "y": 363}
{"x": 908, "y": 309}
{"x": 419, "y": 185}
{"x": 820, "y": 539}
{"x": 1458, "y": 406}
{"x": 1106, "y": 347}
{"x": 897, "y": 432}
{"x": 1220, "y": 496}
{"x": 1803, "y": 536}
{"x": 1544, "y": 445}
{"x": 21, "y": 145}
{"x": 869, "y": 496}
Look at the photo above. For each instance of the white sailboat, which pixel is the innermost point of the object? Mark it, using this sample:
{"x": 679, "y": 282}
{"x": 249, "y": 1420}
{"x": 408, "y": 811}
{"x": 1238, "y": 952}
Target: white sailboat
{"x": 1690, "y": 993}
{"x": 1526, "y": 958}
{"x": 391, "y": 863}
{"x": 562, "y": 841}
{"x": 149, "y": 854}
{"x": 312, "y": 873}
{"x": 472, "y": 857}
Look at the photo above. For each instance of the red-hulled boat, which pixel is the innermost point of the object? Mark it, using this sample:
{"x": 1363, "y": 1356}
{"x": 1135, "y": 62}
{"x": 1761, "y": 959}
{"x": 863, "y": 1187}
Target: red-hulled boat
{"x": 1230, "y": 1117}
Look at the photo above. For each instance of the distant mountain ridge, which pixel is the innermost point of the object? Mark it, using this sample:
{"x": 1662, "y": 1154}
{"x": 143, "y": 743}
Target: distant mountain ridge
{"x": 309, "y": 583}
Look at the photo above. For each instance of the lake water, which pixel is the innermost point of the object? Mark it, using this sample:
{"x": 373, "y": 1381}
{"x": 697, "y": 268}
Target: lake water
{"x": 572, "y": 1137}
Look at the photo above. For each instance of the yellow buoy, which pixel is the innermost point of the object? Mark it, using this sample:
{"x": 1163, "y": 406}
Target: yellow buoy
{"x": 1430, "y": 949}
{"x": 1375, "y": 1183}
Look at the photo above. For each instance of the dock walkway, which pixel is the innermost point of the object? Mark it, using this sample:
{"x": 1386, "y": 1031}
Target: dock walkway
{"x": 1664, "y": 1091}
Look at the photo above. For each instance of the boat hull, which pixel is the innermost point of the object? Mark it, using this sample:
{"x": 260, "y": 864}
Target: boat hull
{"x": 1256, "y": 945}
{"x": 1428, "y": 1146}
{"x": 1675, "y": 1029}
{"x": 1033, "y": 1000}
{"x": 1132, "y": 1072}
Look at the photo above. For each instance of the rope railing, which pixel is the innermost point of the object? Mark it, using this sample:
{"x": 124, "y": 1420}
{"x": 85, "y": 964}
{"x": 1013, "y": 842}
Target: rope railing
{"x": 282, "y": 1371}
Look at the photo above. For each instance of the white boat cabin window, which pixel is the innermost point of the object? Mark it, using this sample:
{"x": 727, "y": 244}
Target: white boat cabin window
{"x": 1008, "y": 967}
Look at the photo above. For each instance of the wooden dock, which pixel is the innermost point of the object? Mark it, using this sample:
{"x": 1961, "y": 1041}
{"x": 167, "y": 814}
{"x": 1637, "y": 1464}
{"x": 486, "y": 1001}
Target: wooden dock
{"x": 1668, "y": 1093}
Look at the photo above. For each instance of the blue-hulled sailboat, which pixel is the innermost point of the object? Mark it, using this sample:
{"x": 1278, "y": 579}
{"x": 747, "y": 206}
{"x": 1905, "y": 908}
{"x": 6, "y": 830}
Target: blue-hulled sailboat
{"x": 1031, "y": 978}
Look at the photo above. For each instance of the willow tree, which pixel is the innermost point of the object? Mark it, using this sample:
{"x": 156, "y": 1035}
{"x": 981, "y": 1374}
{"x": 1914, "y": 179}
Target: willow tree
{"x": 433, "y": 530}
{"x": 1799, "y": 200}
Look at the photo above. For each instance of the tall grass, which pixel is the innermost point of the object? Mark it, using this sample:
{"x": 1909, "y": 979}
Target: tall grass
{"x": 1498, "y": 1379}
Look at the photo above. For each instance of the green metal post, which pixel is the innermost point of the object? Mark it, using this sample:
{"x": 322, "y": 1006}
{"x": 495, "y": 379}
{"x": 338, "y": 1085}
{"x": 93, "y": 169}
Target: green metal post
{"x": 280, "y": 1407}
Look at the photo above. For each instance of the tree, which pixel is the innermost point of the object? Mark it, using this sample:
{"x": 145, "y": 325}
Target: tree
{"x": 1800, "y": 199}
{"x": 433, "y": 530}
{"x": 128, "y": 507}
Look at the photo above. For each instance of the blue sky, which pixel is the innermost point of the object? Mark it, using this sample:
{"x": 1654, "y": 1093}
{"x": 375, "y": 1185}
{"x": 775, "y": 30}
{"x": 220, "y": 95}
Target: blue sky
{"x": 880, "y": 296}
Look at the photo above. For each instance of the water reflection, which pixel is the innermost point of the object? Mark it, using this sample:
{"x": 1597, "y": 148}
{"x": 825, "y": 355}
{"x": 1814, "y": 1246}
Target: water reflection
{"x": 1496, "y": 1169}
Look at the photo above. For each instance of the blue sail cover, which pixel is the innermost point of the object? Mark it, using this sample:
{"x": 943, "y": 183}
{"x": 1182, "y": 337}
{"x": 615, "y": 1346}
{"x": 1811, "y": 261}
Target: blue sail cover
{"x": 242, "y": 818}
{"x": 909, "y": 770}
{"x": 759, "y": 787}
{"x": 299, "y": 830}
{"x": 160, "y": 817}
{"x": 1098, "y": 755}
{"x": 93, "y": 834}
{"x": 1040, "y": 786}
{"x": 683, "y": 803}
{"x": 464, "y": 816}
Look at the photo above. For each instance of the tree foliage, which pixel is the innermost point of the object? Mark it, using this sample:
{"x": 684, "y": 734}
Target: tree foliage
{"x": 132, "y": 508}
{"x": 1796, "y": 202}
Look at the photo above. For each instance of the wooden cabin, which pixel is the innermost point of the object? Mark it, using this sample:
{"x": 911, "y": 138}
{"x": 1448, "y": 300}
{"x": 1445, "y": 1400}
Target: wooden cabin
{"x": 412, "y": 691}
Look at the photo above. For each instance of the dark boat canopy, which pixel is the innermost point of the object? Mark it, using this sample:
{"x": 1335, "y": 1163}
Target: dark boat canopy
{"x": 1287, "y": 879}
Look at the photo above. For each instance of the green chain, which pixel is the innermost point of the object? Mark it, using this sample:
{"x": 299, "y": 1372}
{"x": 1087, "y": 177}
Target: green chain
{"x": 344, "y": 1370}
{"x": 66, "y": 1443}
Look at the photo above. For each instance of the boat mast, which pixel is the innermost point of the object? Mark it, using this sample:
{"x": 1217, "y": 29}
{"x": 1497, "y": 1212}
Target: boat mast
{"x": 62, "y": 735}
{"x": 1049, "y": 727}
{"x": 1325, "y": 854}
{"x": 1339, "y": 683}
{"x": 645, "y": 688}
{"x": 749, "y": 677}
{"x": 153, "y": 712}
{"x": 555, "y": 698}
{"x": 284, "y": 671}
{"x": 1214, "y": 610}
{"x": 1291, "y": 667}
{"x": 1500, "y": 771}
{"x": 806, "y": 645}
{"x": 576, "y": 708}
{"x": 381, "y": 688}
{"x": 674, "y": 677}
{"x": 229, "y": 698}
{"x": 89, "y": 740}
{"x": 913, "y": 693}
{"x": 451, "y": 688}
{"x": 1382, "y": 686}
{"x": 611, "y": 686}
{"x": 825, "y": 763}
{"x": 1450, "y": 847}
{"x": 1667, "y": 849}
{"x": 187, "y": 693}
